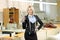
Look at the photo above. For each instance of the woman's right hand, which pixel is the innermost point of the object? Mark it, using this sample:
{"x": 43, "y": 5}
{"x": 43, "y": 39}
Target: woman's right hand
{"x": 23, "y": 19}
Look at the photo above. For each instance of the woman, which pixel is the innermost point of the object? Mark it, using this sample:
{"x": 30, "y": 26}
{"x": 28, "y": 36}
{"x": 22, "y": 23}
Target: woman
{"x": 30, "y": 23}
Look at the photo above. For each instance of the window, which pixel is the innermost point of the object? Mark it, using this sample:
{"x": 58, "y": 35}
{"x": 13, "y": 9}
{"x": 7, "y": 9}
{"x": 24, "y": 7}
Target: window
{"x": 41, "y": 3}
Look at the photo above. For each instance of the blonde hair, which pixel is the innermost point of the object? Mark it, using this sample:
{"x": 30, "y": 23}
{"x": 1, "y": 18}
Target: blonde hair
{"x": 31, "y": 8}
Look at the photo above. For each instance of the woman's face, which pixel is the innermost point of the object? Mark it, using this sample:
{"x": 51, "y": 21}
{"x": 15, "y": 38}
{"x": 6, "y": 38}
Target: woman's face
{"x": 30, "y": 11}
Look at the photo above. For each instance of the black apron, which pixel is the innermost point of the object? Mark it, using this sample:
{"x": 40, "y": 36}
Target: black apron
{"x": 31, "y": 35}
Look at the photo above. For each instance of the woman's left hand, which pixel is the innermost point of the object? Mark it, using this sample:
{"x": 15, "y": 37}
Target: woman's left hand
{"x": 36, "y": 30}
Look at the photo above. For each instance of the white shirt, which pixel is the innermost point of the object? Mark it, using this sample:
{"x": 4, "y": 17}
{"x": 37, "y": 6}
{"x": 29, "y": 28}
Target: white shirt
{"x": 32, "y": 18}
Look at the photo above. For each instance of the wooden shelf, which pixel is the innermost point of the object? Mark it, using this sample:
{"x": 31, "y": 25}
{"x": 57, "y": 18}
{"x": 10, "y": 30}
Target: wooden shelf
{"x": 10, "y": 15}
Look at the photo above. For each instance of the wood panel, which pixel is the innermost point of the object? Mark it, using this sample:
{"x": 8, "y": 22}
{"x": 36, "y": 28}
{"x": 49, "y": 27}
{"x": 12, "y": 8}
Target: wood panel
{"x": 5, "y": 16}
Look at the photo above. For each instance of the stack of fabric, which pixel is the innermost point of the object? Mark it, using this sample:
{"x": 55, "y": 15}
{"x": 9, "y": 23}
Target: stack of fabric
{"x": 54, "y": 37}
{"x": 49, "y": 25}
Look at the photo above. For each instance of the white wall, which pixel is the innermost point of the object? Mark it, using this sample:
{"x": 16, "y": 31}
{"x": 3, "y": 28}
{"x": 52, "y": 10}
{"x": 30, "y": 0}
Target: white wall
{"x": 2, "y": 5}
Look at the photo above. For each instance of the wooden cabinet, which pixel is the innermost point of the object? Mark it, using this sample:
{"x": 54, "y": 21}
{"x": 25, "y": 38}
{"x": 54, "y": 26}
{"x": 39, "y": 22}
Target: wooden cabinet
{"x": 10, "y": 15}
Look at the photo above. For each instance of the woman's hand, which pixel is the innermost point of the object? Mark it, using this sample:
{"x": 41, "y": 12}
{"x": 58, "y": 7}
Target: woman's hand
{"x": 23, "y": 19}
{"x": 36, "y": 30}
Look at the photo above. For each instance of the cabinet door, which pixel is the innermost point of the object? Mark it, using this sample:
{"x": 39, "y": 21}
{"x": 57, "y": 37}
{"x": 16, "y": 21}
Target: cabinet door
{"x": 5, "y": 16}
{"x": 17, "y": 16}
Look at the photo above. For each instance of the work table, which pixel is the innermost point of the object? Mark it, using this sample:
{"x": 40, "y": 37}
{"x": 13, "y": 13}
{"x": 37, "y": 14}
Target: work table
{"x": 12, "y": 35}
